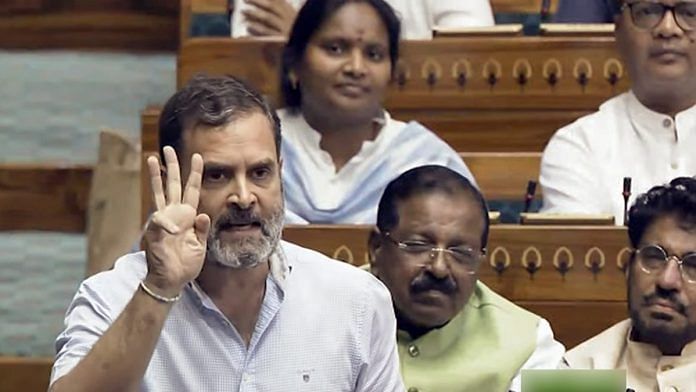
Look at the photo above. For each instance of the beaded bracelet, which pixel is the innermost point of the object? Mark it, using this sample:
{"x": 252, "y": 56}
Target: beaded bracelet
{"x": 157, "y": 296}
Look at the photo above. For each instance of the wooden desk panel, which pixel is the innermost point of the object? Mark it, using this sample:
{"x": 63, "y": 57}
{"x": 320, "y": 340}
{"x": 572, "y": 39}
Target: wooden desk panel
{"x": 44, "y": 197}
{"x": 514, "y": 246}
{"x": 24, "y": 374}
{"x": 450, "y": 73}
{"x": 575, "y": 322}
{"x": 483, "y": 131}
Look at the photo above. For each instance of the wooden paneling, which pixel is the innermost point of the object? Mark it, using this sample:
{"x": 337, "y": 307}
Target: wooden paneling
{"x": 430, "y": 71}
{"x": 514, "y": 246}
{"x": 24, "y": 374}
{"x": 473, "y": 116}
{"x": 81, "y": 24}
{"x": 19, "y": 6}
{"x": 578, "y": 304}
{"x": 504, "y": 176}
{"x": 471, "y": 131}
{"x": 44, "y": 197}
{"x": 575, "y": 322}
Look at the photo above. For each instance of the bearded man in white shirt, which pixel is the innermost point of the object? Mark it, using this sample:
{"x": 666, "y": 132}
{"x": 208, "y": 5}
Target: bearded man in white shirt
{"x": 657, "y": 344}
{"x": 418, "y": 17}
{"x": 648, "y": 133}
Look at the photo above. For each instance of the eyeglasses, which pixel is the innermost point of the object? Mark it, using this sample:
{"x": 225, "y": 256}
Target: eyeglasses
{"x": 466, "y": 257}
{"x": 653, "y": 259}
{"x": 647, "y": 14}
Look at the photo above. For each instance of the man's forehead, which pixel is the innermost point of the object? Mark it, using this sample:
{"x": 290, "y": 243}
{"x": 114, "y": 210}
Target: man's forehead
{"x": 672, "y": 233}
{"x": 438, "y": 206}
{"x": 253, "y": 127}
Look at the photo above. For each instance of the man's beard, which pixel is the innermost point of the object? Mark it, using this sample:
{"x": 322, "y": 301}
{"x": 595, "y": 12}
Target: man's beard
{"x": 247, "y": 252}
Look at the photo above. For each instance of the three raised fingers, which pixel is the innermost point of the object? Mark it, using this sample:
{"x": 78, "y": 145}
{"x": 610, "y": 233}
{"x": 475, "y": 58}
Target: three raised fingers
{"x": 193, "y": 184}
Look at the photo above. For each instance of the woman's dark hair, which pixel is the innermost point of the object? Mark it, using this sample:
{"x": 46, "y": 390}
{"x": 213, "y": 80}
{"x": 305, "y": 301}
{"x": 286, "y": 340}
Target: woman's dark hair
{"x": 676, "y": 199}
{"x": 309, "y": 19}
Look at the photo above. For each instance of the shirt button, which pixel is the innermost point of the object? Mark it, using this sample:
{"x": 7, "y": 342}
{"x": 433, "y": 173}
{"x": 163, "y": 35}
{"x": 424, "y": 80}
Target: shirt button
{"x": 674, "y": 165}
{"x": 666, "y": 368}
{"x": 413, "y": 389}
{"x": 413, "y": 350}
{"x": 672, "y": 389}
{"x": 667, "y": 123}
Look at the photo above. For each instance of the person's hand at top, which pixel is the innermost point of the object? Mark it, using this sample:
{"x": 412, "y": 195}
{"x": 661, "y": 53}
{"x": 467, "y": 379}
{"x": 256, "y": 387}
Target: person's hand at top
{"x": 269, "y": 17}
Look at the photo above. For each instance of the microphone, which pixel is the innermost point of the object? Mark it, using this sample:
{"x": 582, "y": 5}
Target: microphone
{"x": 626, "y": 195}
{"x": 545, "y": 10}
{"x": 529, "y": 196}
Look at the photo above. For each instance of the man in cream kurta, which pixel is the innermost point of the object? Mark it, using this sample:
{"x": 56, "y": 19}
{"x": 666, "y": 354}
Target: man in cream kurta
{"x": 418, "y": 17}
{"x": 454, "y": 333}
{"x": 657, "y": 345}
{"x": 646, "y": 367}
{"x": 647, "y": 134}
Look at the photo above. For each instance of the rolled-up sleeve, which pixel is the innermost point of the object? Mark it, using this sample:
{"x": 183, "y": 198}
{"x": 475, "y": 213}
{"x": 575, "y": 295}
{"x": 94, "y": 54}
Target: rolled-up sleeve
{"x": 86, "y": 320}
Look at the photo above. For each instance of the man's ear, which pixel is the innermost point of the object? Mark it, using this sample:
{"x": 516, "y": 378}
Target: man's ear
{"x": 374, "y": 245}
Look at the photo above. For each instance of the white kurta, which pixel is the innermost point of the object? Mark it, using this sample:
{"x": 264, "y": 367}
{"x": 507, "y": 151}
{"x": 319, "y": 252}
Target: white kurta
{"x": 316, "y": 193}
{"x": 647, "y": 370}
{"x": 418, "y": 17}
{"x": 584, "y": 164}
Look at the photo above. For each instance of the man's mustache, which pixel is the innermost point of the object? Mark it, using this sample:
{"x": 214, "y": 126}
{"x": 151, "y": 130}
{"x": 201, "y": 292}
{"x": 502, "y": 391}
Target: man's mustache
{"x": 236, "y": 216}
{"x": 653, "y": 298}
{"x": 426, "y": 282}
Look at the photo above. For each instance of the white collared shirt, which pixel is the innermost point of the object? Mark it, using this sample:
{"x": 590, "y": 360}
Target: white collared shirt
{"x": 584, "y": 164}
{"x": 323, "y": 325}
{"x": 418, "y": 17}
{"x": 316, "y": 193}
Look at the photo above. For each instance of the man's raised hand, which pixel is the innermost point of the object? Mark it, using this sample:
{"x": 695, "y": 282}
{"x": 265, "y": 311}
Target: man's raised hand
{"x": 176, "y": 237}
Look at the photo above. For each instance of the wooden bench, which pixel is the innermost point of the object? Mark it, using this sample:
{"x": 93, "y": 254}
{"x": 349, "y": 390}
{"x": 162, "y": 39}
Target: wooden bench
{"x": 578, "y": 303}
{"x": 500, "y": 176}
{"x": 482, "y": 94}
{"x": 24, "y": 374}
{"x": 97, "y": 24}
{"x": 44, "y": 197}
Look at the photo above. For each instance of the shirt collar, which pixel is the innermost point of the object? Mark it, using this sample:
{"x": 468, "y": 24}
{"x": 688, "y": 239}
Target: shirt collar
{"x": 280, "y": 268}
{"x": 646, "y": 121}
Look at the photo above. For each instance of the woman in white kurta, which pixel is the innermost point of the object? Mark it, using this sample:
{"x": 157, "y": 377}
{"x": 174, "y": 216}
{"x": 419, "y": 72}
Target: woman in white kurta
{"x": 340, "y": 147}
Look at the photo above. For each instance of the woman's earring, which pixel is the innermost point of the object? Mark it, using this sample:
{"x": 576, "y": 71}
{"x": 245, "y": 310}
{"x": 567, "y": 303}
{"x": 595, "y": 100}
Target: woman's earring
{"x": 293, "y": 81}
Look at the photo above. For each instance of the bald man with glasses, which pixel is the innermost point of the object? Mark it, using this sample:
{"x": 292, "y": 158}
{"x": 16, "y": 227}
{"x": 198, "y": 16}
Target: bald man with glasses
{"x": 647, "y": 133}
{"x": 657, "y": 344}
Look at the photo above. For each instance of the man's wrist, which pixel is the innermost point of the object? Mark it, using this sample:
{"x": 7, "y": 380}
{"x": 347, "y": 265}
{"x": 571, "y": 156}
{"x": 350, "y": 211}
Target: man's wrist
{"x": 161, "y": 295}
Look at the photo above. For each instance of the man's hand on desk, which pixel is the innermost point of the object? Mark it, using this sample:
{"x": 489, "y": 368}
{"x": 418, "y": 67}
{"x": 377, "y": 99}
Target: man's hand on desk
{"x": 269, "y": 17}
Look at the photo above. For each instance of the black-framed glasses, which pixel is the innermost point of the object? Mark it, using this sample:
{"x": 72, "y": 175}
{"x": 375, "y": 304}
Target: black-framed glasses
{"x": 653, "y": 259}
{"x": 647, "y": 14}
{"x": 465, "y": 256}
